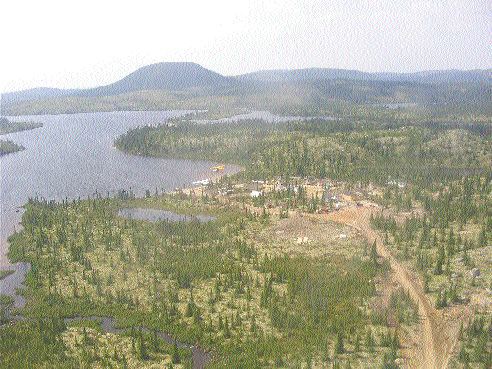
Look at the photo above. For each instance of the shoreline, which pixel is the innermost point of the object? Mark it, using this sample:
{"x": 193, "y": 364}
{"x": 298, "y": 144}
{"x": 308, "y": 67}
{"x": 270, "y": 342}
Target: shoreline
{"x": 13, "y": 281}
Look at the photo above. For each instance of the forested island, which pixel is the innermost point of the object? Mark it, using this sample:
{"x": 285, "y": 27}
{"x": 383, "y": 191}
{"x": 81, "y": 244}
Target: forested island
{"x": 8, "y": 147}
{"x": 6, "y": 126}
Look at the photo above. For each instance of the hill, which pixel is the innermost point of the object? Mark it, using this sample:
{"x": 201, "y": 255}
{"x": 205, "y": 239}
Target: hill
{"x": 187, "y": 85}
{"x": 37, "y": 93}
{"x": 163, "y": 76}
{"x": 160, "y": 76}
{"x": 435, "y": 76}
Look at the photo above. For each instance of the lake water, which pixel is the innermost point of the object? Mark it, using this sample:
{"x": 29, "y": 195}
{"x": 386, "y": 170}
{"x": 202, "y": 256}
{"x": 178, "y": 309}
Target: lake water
{"x": 157, "y": 215}
{"x": 72, "y": 156}
{"x": 264, "y": 116}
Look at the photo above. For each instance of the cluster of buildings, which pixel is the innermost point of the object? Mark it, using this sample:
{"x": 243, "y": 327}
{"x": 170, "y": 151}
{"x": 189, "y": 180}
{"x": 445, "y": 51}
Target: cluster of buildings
{"x": 329, "y": 195}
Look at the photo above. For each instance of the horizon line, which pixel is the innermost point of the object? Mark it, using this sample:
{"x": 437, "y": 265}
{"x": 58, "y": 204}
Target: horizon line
{"x": 252, "y": 72}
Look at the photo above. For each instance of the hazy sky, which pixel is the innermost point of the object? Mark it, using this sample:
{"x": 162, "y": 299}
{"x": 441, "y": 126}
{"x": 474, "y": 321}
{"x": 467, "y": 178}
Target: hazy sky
{"x": 88, "y": 43}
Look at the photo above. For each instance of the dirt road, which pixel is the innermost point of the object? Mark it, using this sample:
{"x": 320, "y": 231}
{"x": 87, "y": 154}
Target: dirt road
{"x": 439, "y": 336}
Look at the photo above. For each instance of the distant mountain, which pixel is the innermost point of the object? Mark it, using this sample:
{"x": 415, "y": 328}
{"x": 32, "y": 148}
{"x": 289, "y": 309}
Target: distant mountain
{"x": 189, "y": 85}
{"x": 163, "y": 76}
{"x": 314, "y": 74}
{"x": 308, "y": 74}
{"x": 36, "y": 94}
{"x": 452, "y": 75}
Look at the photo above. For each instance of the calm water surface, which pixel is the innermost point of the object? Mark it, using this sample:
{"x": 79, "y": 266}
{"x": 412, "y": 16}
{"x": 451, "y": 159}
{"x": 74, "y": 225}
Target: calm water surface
{"x": 73, "y": 156}
{"x": 264, "y": 116}
{"x": 157, "y": 215}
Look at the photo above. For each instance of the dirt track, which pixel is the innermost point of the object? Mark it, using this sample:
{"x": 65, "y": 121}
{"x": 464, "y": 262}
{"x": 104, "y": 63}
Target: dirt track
{"x": 439, "y": 336}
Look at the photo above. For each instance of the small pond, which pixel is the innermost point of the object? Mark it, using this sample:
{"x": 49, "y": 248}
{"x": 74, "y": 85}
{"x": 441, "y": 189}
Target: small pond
{"x": 157, "y": 215}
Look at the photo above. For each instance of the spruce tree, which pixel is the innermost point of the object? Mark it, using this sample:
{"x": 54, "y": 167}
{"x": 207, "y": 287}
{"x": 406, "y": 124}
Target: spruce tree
{"x": 440, "y": 260}
{"x": 369, "y": 341}
{"x": 176, "y": 357}
{"x": 339, "y": 347}
{"x": 374, "y": 253}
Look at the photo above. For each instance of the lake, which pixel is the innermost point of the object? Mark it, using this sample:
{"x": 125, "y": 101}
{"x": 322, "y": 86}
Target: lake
{"x": 73, "y": 156}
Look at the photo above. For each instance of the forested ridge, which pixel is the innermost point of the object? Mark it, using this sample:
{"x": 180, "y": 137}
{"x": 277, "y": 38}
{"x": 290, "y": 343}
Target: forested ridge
{"x": 185, "y": 85}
